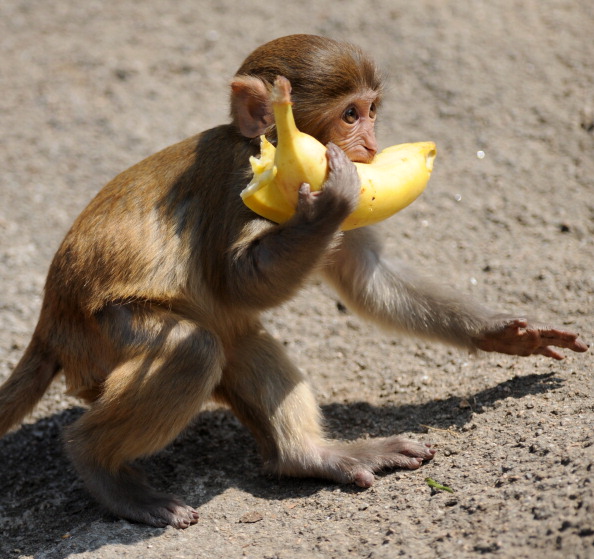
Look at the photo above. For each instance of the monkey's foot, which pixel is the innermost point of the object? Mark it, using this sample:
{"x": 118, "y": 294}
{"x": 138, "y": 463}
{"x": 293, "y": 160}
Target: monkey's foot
{"x": 128, "y": 496}
{"x": 162, "y": 510}
{"x": 357, "y": 462}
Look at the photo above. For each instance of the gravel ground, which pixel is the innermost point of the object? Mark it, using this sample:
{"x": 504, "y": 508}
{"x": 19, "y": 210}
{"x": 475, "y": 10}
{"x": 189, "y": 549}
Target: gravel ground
{"x": 506, "y": 90}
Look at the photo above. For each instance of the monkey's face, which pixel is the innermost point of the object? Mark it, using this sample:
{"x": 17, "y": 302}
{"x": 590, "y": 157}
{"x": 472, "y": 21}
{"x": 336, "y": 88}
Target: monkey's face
{"x": 354, "y": 129}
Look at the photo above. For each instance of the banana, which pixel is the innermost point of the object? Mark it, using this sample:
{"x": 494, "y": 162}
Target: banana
{"x": 394, "y": 179}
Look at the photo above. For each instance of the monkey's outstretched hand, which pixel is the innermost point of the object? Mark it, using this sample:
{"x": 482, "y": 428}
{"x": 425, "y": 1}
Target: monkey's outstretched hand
{"x": 516, "y": 336}
{"x": 340, "y": 193}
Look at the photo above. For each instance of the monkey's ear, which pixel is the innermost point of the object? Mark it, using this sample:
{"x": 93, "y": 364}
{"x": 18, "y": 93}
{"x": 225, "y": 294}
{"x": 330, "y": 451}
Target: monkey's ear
{"x": 250, "y": 106}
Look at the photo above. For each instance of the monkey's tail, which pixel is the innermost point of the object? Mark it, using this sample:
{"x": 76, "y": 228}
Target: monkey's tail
{"x": 27, "y": 384}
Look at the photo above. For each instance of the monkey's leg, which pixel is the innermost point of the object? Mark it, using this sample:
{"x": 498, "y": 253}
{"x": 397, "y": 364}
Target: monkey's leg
{"x": 273, "y": 398}
{"x": 145, "y": 403}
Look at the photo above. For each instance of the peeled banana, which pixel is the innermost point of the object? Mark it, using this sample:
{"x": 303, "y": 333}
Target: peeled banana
{"x": 394, "y": 179}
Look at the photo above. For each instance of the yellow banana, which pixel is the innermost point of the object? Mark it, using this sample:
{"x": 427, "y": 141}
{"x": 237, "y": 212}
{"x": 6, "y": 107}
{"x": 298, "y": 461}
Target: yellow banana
{"x": 394, "y": 179}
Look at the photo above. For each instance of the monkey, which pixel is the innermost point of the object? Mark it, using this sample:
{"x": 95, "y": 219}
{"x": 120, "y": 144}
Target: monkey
{"x": 152, "y": 304}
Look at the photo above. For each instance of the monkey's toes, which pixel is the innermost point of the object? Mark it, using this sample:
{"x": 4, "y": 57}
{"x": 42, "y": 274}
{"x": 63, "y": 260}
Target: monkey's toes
{"x": 182, "y": 516}
{"x": 364, "y": 478}
{"x": 406, "y": 453}
{"x": 162, "y": 512}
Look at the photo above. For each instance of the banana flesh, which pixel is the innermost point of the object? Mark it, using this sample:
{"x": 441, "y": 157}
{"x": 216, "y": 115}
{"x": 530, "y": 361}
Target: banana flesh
{"x": 393, "y": 180}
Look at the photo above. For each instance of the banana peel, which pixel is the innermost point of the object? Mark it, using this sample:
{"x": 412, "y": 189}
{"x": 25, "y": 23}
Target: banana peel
{"x": 393, "y": 180}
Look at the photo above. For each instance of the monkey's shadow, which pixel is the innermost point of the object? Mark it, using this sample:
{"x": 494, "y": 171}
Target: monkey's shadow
{"x": 41, "y": 498}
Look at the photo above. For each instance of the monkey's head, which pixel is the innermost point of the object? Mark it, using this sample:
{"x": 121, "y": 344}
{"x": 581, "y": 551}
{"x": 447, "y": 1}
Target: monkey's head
{"x": 336, "y": 91}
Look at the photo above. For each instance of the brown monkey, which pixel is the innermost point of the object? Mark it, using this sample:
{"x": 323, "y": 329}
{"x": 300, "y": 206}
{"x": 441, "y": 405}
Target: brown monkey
{"x": 152, "y": 301}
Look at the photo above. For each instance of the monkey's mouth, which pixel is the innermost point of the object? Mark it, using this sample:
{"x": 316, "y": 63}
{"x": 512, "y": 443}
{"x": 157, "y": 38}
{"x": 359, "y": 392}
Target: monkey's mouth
{"x": 360, "y": 154}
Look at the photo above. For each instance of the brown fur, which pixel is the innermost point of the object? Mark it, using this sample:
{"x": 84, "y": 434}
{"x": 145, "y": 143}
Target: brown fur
{"x": 324, "y": 74}
{"x": 152, "y": 301}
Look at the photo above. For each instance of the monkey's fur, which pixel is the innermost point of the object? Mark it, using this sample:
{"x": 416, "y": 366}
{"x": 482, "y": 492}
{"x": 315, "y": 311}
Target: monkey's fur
{"x": 152, "y": 301}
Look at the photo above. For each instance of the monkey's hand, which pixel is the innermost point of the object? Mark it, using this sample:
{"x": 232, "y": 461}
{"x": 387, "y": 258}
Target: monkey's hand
{"x": 516, "y": 336}
{"x": 339, "y": 195}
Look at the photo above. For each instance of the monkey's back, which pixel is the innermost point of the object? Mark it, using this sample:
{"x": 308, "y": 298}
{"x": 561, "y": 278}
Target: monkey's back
{"x": 150, "y": 233}
{"x": 154, "y": 237}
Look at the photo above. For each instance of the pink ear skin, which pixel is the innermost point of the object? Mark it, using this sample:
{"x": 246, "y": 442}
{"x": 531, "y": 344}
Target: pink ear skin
{"x": 250, "y": 106}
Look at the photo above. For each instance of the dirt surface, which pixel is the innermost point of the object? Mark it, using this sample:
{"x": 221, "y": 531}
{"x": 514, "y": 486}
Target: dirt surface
{"x": 506, "y": 90}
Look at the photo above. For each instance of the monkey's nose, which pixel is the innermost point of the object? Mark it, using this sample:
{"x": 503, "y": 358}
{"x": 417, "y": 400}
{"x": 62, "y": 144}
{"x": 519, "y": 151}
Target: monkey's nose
{"x": 370, "y": 145}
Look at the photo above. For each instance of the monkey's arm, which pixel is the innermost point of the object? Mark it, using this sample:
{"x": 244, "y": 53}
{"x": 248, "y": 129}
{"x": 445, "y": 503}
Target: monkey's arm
{"x": 269, "y": 263}
{"x": 396, "y": 297}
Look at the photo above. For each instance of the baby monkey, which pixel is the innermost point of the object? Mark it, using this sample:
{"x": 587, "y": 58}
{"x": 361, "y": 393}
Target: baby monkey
{"x": 153, "y": 301}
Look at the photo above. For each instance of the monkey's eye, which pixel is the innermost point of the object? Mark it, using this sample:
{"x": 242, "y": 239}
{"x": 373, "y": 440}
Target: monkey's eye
{"x": 350, "y": 115}
{"x": 372, "y": 110}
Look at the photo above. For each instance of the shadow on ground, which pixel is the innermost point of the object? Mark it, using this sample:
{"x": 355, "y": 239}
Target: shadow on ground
{"x": 41, "y": 498}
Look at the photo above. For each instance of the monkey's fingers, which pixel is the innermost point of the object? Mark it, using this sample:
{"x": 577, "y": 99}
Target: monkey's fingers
{"x": 334, "y": 155}
{"x": 550, "y": 352}
{"x": 304, "y": 190}
{"x": 339, "y": 162}
{"x": 518, "y": 337}
{"x": 343, "y": 180}
{"x": 305, "y": 206}
{"x": 562, "y": 338}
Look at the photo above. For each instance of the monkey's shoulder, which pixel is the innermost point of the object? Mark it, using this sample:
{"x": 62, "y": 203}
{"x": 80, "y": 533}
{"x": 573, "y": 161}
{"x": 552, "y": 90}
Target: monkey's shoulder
{"x": 216, "y": 160}
{"x": 144, "y": 221}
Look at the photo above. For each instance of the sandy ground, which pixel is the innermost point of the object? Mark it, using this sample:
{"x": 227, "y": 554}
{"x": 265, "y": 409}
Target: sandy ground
{"x": 506, "y": 90}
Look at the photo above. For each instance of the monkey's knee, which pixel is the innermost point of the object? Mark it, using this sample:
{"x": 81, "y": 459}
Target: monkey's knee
{"x": 147, "y": 401}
